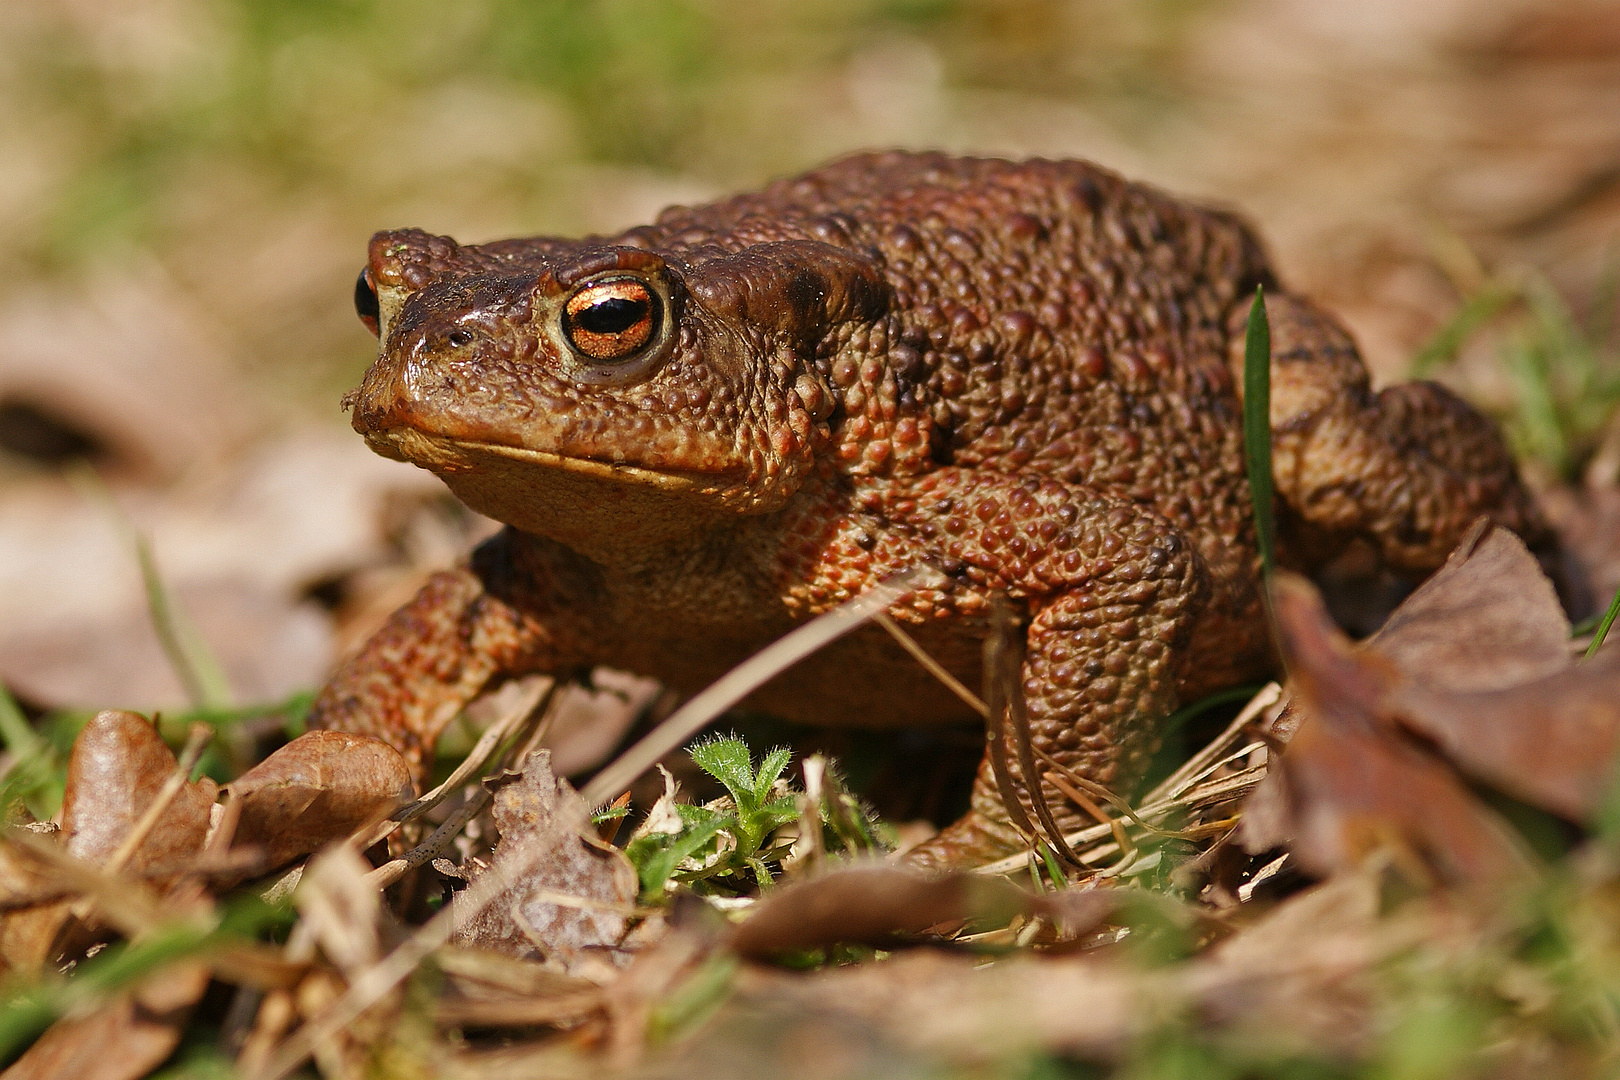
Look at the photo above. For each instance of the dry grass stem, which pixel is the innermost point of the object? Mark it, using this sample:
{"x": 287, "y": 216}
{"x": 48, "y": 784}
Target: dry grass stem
{"x": 1209, "y": 757}
{"x": 535, "y": 703}
{"x": 747, "y": 677}
{"x": 932, "y": 666}
{"x": 196, "y": 740}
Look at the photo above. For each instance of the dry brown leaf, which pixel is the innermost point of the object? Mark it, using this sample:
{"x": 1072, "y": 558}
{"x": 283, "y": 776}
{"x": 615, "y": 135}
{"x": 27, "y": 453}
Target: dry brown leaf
{"x": 1346, "y": 787}
{"x": 871, "y": 905}
{"x": 1486, "y": 620}
{"x": 125, "y": 1039}
{"x": 319, "y": 788}
{"x": 1551, "y": 743}
{"x": 571, "y": 908}
{"x": 1477, "y": 662}
{"x": 118, "y": 764}
{"x": 955, "y": 1007}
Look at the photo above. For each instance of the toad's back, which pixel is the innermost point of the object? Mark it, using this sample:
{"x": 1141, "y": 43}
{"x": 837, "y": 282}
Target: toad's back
{"x": 1048, "y": 317}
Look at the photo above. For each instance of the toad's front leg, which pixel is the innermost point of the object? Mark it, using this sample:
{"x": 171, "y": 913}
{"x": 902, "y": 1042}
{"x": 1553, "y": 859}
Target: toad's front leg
{"x": 505, "y": 613}
{"x": 1110, "y": 589}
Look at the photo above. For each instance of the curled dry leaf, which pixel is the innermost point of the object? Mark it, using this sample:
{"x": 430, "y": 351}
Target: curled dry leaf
{"x": 1487, "y": 676}
{"x": 1476, "y": 663}
{"x": 1487, "y": 620}
{"x": 319, "y": 788}
{"x": 1348, "y": 786}
{"x": 570, "y": 908}
{"x": 117, "y": 767}
{"x": 34, "y": 911}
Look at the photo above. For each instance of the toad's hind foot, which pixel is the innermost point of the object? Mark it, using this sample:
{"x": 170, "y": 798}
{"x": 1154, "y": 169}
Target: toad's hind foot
{"x": 1409, "y": 469}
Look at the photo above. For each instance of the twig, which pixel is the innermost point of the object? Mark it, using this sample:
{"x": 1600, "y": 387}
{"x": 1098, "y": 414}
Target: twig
{"x": 423, "y": 853}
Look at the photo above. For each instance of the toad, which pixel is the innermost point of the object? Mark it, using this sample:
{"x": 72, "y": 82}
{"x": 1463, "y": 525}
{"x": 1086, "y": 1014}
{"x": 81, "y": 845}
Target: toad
{"x": 702, "y": 432}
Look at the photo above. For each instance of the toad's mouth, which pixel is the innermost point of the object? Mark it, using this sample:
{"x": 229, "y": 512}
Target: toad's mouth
{"x": 450, "y": 456}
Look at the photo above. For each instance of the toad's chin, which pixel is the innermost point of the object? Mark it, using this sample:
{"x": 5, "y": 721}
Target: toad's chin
{"x": 577, "y": 501}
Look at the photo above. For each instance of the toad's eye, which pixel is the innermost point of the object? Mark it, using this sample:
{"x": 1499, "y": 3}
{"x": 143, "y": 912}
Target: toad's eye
{"x": 365, "y": 301}
{"x": 613, "y": 319}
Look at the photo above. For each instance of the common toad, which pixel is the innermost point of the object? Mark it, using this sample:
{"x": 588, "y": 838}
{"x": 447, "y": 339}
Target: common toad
{"x": 705, "y": 431}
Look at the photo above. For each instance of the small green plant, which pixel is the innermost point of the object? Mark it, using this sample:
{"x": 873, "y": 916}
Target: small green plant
{"x": 736, "y": 842}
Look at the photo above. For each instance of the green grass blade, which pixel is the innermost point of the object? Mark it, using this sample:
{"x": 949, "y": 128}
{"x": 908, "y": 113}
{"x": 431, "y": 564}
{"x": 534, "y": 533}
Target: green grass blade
{"x": 1602, "y": 630}
{"x": 1257, "y": 427}
{"x": 1447, "y": 341}
{"x": 194, "y": 664}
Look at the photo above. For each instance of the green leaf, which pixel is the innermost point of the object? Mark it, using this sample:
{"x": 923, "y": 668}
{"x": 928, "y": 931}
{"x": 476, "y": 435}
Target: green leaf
{"x": 701, "y": 815}
{"x": 770, "y": 770}
{"x": 727, "y": 761}
{"x": 656, "y": 855}
{"x": 1257, "y": 427}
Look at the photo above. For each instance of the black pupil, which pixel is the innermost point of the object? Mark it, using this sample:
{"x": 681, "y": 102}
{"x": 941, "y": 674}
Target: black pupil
{"x": 365, "y": 298}
{"x": 612, "y": 316}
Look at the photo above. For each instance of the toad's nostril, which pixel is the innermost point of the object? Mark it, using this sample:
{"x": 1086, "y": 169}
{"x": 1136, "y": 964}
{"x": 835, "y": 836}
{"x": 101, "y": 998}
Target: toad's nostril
{"x": 365, "y": 301}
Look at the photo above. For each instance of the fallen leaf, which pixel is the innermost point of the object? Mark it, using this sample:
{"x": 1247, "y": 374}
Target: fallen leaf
{"x": 871, "y": 905}
{"x": 1551, "y": 743}
{"x": 34, "y": 916}
{"x": 570, "y": 908}
{"x": 1487, "y": 619}
{"x": 1347, "y": 786}
{"x": 118, "y": 764}
{"x": 318, "y": 789}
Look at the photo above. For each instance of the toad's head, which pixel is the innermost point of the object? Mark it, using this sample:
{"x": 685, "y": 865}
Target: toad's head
{"x": 567, "y": 387}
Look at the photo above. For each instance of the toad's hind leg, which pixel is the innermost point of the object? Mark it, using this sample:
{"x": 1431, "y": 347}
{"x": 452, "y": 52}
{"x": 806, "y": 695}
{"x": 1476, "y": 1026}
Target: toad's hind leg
{"x": 1408, "y": 469}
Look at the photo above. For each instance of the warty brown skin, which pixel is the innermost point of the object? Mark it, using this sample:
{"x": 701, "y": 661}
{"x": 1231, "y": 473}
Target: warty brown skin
{"x": 1024, "y": 374}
